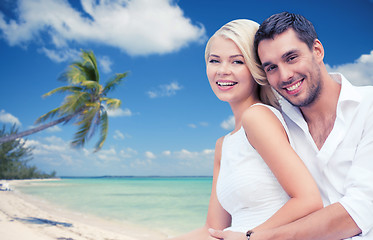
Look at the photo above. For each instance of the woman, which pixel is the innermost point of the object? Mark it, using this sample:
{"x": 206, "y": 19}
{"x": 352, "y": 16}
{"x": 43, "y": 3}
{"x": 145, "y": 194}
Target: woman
{"x": 259, "y": 182}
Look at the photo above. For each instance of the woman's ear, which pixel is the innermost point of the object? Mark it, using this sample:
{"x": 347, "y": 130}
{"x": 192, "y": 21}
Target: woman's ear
{"x": 318, "y": 50}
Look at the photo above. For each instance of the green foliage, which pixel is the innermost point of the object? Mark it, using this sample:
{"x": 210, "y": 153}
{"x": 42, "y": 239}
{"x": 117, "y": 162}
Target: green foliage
{"x": 86, "y": 101}
{"x": 85, "y": 105}
{"x": 14, "y": 158}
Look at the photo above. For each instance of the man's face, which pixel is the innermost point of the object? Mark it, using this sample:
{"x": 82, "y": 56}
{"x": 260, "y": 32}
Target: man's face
{"x": 291, "y": 68}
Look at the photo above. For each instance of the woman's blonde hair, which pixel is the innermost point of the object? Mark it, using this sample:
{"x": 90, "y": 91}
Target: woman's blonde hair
{"x": 242, "y": 33}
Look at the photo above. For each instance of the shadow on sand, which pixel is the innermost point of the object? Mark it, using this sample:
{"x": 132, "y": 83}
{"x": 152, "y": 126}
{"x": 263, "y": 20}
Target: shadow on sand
{"x": 34, "y": 220}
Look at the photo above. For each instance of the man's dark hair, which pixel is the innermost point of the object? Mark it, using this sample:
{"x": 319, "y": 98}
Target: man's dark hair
{"x": 280, "y": 22}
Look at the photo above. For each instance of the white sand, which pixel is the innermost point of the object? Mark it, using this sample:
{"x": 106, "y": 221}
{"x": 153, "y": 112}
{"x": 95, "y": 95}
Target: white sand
{"x": 22, "y": 217}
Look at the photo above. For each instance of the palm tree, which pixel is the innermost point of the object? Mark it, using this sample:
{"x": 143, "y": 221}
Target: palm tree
{"x": 86, "y": 103}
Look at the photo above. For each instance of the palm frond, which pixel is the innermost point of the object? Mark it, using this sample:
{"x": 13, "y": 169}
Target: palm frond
{"x": 85, "y": 100}
{"x": 89, "y": 113}
{"x": 76, "y": 74}
{"x": 48, "y": 115}
{"x": 92, "y": 85}
{"x": 80, "y": 136}
{"x": 74, "y": 102}
{"x": 86, "y": 123}
{"x": 89, "y": 57}
{"x": 80, "y": 71}
{"x": 104, "y": 125}
{"x": 110, "y": 85}
{"x": 95, "y": 124}
{"x": 90, "y": 73}
{"x": 91, "y": 63}
{"x": 112, "y": 103}
{"x": 62, "y": 90}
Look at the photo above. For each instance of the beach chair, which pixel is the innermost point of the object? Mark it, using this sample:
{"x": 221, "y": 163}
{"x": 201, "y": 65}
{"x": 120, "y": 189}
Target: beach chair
{"x": 4, "y": 187}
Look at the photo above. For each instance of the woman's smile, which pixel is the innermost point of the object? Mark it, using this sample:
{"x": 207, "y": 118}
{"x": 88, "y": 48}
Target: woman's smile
{"x": 225, "y": 84}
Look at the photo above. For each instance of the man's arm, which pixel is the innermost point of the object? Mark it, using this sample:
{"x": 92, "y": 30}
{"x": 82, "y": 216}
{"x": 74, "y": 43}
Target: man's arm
{"x": 331, "y": 222}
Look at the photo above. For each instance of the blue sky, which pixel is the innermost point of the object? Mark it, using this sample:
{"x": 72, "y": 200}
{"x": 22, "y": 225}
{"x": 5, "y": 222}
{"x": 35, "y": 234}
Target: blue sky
{"x": 169, "y": 119}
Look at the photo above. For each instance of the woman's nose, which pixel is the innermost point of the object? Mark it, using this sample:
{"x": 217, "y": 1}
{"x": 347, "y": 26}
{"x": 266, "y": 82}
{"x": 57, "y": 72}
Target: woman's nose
{"x": 224, "y": 69}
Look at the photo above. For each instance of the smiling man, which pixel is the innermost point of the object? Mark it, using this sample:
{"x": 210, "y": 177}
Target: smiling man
{"x": 331, "y": 123}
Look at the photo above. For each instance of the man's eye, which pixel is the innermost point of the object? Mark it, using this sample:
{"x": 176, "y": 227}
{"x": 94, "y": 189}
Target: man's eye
{"x": 291, "y": 58}
{"x": 270, "y": 68}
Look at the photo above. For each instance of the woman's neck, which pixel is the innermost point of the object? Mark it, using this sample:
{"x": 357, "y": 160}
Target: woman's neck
{"x": 239, "y": 108}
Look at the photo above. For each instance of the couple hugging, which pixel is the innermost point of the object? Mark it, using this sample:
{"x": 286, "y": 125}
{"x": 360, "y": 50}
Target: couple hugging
{"x": 298, "y": 164}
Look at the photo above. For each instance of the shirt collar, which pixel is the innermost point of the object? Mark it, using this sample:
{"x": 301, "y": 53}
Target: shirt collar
{"x": 348, "y": 91}
{"x": 348, "y": 97}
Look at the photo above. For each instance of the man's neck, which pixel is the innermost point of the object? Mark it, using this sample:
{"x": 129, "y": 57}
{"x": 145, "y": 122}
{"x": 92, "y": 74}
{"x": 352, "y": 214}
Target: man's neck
{"x": 320, "y": 115}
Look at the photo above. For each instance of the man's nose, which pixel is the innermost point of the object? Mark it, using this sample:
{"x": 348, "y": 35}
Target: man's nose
{"x": 286, "y": 73}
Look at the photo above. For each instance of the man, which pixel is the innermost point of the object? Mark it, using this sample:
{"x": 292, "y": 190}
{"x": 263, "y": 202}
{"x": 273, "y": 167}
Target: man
{"x": 331, "y": 125}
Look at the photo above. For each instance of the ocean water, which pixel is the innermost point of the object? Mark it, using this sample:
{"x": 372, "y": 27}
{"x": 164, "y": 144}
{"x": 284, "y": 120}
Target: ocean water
{"x": 169, "y": 204}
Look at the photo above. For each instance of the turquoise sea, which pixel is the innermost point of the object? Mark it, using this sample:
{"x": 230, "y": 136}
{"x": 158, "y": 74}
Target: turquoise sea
{"x": 168, "y": 204}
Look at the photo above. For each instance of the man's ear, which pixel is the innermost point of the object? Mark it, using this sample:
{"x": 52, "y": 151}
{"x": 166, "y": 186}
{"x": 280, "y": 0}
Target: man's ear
{"x": 318, "y": 50}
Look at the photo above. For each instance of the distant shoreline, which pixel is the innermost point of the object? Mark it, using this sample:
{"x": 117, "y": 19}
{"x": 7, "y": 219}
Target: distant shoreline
{"x": 128, "y": 176}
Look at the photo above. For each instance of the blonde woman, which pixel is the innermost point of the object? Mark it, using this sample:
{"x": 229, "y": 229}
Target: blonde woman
{"x": 259, "y": 182}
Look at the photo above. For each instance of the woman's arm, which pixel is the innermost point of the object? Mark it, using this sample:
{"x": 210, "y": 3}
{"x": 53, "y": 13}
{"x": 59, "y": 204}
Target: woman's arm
{"x": 331, "y": 222}
{"x": 268, "y": 136}
{"x": 217, "y": 217}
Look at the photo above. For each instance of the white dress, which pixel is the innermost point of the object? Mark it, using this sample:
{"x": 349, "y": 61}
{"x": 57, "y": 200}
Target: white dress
{"x": 246, "y": 187}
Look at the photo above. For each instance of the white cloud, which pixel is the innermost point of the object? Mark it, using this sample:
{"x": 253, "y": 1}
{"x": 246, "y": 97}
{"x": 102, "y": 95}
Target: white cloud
{"x": 118, "y": 135}
{"x": 228, "y": 124}
{"x": 141, "y": 163}
{"x": 186, "y": 154}
{"x": 359, "y": 72}
{"x": 127, "y": 153}
{"x": 138, "y": 27}
{"x": 165, "y": 90}
{"x": 120, "y": 112}
{"x": 202, "y": 124}
{"x": 108, "y": 155}
{"x": 195, "y": 161}
{"x": 54, "y": 129}
{"x": 9, "y": 118}
{"x": 49, "y": 145}
{"x": 67, "y": 159}
{"x": 105, "y": 63}
{"x": 166, "y": 153}
{"x": 53, "y": 153}
{"x": 208, "y": 151}
{"x": 150, "y": 155}
{"x": 191, "y": 125}
{"x": 61, "y": 55}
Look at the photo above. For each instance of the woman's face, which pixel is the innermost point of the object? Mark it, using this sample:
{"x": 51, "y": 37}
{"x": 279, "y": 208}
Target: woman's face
{"x": 229, "y": 77}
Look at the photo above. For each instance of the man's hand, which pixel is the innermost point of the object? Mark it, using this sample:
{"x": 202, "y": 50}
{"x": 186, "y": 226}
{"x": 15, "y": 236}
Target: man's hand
{"x": 227, "y": 235}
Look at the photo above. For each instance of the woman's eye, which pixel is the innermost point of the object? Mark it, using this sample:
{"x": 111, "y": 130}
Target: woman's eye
{"x": 213, "y": 61}
{"x": 238, "y": 62}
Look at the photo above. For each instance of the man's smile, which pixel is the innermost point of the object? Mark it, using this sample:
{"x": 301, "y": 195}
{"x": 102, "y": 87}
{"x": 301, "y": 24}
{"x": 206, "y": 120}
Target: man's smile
{"x": 294, "y": 88}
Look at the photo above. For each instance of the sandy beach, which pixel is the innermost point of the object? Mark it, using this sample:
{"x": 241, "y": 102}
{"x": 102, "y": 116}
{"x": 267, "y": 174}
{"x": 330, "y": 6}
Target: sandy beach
{"x": 23, "y": 217}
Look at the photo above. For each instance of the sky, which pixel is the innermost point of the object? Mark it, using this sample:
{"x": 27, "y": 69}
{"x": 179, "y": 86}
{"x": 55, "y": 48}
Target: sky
{"x": 169, "y": 119}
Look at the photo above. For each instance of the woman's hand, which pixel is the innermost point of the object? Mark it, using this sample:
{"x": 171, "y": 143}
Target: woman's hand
{"x": 227, "y": 235}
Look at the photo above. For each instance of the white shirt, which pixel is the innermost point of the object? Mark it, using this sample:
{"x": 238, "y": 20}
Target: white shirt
{"x": 343, "y": 167}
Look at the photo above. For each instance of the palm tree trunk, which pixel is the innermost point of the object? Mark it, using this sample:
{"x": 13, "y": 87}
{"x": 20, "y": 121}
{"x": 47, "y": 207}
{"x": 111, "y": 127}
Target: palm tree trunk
{"x": 36, "y": 129}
